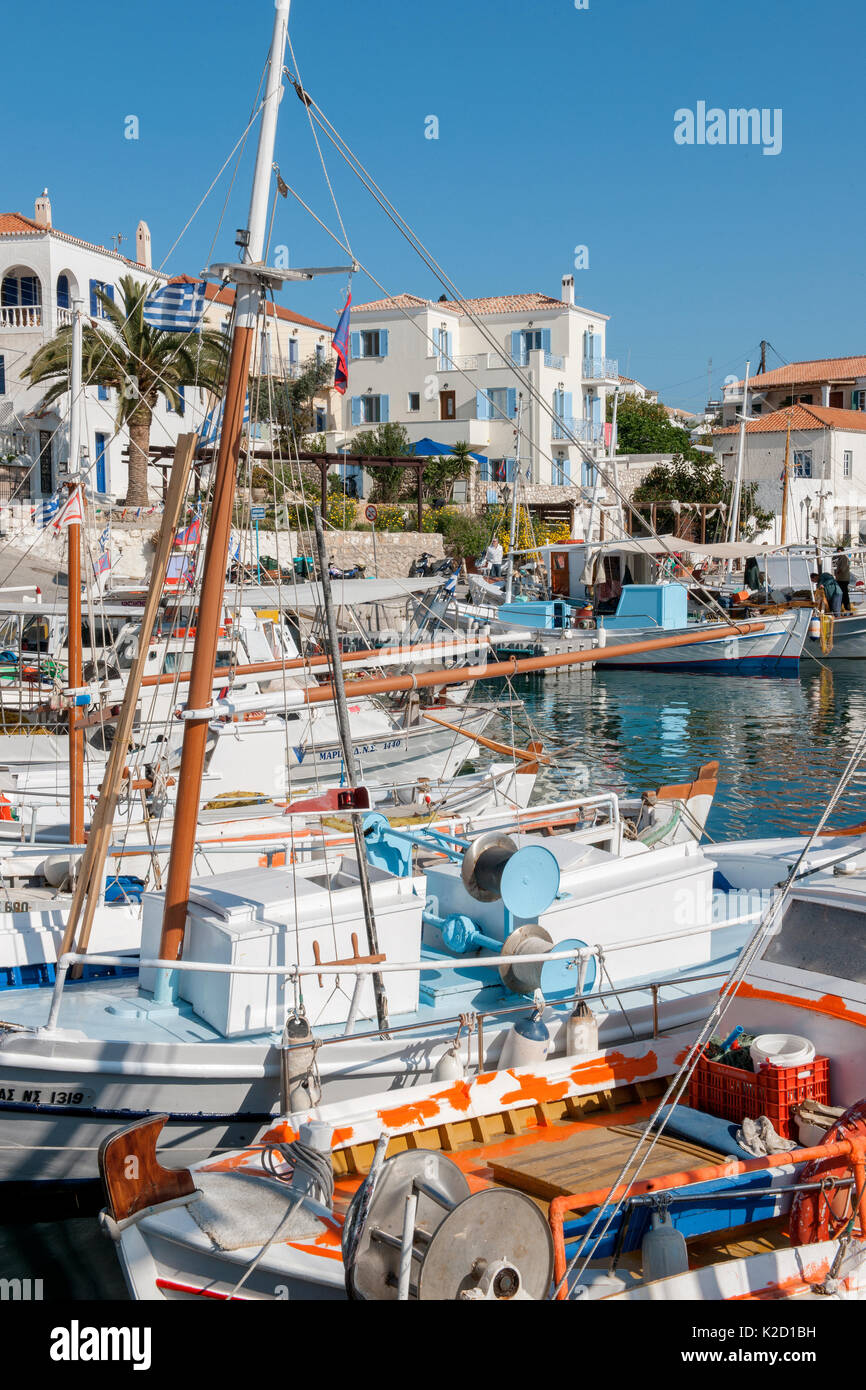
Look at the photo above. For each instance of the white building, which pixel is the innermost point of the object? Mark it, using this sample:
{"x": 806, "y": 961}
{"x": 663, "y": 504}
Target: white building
{"x": 827, "y": 469}
{"x": 42, "y": 270}
{"x": 629, "y": 387}
{"x": 428, "y": 366}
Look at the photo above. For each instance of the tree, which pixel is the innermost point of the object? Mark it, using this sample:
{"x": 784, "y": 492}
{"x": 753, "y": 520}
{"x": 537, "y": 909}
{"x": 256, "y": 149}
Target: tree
{"x": 136, "y": 361}
{"x": 442, "y": 473}
{"x": 644, "y": 428}
{"x": 700, "y": 479}
{"x": 385, "y": 441}
{"x": 291, "y": 404}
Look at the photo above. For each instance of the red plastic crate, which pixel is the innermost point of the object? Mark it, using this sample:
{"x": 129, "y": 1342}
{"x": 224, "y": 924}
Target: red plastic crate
{"x": 733, "y": 1094}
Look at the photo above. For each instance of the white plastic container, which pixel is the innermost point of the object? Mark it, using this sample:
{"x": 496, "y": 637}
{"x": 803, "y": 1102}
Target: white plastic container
{"x": 781, "y": 1050}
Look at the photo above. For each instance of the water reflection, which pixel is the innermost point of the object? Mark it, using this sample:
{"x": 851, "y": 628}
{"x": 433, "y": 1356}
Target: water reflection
{"x": 781, "y": 745}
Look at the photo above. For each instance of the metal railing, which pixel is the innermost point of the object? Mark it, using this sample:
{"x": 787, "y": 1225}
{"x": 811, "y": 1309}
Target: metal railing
{"x": 568, "y": 427}
{"x": 579, "y": 957}
{"x": 600, "y": 368}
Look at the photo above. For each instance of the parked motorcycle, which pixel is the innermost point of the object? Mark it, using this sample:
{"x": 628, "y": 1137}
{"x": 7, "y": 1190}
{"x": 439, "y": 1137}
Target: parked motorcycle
{"x": 425, "y": 565}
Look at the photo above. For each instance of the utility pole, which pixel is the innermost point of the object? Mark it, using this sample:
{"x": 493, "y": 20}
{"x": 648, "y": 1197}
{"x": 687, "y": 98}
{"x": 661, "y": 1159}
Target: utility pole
{"x": 763, "y": 366}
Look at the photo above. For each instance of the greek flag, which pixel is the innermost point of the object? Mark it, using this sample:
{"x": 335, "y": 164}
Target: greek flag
{"x": 48, "y": 509}
{"x": 176, "y": 308}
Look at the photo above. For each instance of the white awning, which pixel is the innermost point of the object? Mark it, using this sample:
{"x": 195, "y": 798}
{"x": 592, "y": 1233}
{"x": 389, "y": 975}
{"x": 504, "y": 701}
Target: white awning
{"x": 346, "y": 592}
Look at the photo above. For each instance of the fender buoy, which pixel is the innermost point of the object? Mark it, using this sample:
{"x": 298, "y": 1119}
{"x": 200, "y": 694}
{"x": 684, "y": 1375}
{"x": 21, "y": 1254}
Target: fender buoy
{"x": 817, "y": 1216}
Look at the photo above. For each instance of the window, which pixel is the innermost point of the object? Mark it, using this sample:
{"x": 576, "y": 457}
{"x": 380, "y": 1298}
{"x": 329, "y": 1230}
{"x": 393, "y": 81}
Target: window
{"x": 443, "y": 347}
{"x": 63, "y": 291}
{"x": 321, "y": 420}
{"x": 815, "y": 936}
{"x": 371, "y": 342}
{"x": 498, "y": 403}
{"x": 527, "y": 340}
{"x": 320, "y": 354}
{"x": 846, "y": 463}
{"x": 858, "y": 400}
{"x": 561, "y": 474}
{"x": 97, "y": 308}
{"x": 805, "y": 400}
{"x": 370, "y": 410}
{"x": 485, "y": 470}
{"x": 181, "y": 410}
{"x": 102, "y": 393}
{"x": 293, "y": 351}
{"x": 802, "y": 463}
{"x": 414, "y": 401}
{"x": 2, "y": 375}
{"x": 587, "y": 474}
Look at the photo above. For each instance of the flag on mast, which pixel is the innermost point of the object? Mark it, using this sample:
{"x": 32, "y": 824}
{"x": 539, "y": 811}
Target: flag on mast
{"x": 73, "y": 513}
{"x": 340, "y": 344}
{"x": 176, "y": 308}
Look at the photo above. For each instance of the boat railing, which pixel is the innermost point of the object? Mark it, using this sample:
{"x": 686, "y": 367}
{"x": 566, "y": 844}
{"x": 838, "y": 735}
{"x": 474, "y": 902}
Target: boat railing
{"x": 579, "y": 957}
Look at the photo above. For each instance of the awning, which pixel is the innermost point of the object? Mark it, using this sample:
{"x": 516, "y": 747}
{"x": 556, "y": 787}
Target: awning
{"x": 434, "y": 450}
{"x": 675, "y": 545}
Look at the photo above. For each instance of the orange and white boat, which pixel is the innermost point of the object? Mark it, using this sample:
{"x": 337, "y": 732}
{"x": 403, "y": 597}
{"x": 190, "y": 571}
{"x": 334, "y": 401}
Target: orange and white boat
{"x": 544, "y": 1180}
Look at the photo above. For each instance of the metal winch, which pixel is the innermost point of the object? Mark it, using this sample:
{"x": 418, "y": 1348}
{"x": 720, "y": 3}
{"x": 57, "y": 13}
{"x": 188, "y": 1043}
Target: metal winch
{"x": 425, "y": 1237}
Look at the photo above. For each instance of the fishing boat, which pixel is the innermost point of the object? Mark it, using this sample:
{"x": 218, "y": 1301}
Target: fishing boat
{"x": 566, "y": 1179}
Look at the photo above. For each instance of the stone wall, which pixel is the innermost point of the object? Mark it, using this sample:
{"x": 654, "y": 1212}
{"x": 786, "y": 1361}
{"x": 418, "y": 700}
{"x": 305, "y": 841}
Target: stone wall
{"x": 395, "y": 552}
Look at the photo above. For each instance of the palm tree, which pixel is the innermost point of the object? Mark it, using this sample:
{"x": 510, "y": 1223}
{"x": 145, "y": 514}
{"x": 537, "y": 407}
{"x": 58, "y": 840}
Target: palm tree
{"x": 138, "y": 362}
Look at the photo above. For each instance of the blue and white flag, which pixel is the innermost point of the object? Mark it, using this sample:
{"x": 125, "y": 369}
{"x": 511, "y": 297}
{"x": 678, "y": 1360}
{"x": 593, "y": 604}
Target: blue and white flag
{"x": 47, "y": 509}
{"x": 451, "y": 586}
{"x": 176, "y": 308}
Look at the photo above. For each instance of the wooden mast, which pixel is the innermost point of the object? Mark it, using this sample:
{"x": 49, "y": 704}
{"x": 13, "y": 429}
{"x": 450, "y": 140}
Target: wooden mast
{"x": 249, "y": 281}
{"x": 73, "y": 597}
{"x": 786, "y": 482}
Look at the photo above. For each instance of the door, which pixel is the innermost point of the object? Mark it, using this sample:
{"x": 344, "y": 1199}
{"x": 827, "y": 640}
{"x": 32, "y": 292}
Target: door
{"x": 837, "y": 399}
{"x": 101, "y": 443}
{"x": 559, "y": 572}
{"x": 447, "y": 405}
{"x": 46, "y": 472}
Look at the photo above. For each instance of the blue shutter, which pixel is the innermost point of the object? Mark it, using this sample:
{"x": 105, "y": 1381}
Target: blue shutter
{"x": 383, "y": 342}
{"x": 492, "y": 496}
{"x": 356, "y": 344}
{"x": 449, "y": 343}
{"x": 517, "y": 347}
{"x": 384, "y": 407}
{"x": 596, "y": 409}
{"x": 94, "y": 302}
{"x": 482, "y": 406}
{"x": 565, "y": 471}
{"x": 567, "y": 405}
{"x": 511, "y": 402}
{"x": 109, "y": 290}
{"x": 356, "y": 410}
{"x": 2, "y": 376}
{"x": 485, "y": 470}
{"x": 510, "y": 465}
{"x": 182, "y": 409}
{"x": 545, "y": 339}
{"x": 102, "y": 394}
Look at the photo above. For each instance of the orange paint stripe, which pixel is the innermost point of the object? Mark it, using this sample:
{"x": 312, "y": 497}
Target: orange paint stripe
{"x": 829, "y": 1004}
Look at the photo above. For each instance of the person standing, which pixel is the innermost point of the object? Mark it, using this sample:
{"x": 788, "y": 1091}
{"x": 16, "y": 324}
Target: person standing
{"x": 842, "y": 571}
{"x": 494, "y": 557}
{"x": 828, "y": 595}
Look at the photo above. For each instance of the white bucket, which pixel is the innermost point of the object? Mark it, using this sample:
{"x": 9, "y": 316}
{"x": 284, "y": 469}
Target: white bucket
{"x": 781, "y": 1050}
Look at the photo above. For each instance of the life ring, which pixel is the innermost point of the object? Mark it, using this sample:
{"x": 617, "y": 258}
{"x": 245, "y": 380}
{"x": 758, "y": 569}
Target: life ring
{"x": 817, "y": 1216}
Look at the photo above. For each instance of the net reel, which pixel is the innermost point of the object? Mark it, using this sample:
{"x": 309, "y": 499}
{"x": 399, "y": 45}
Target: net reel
{"x": 425, "y": 1237}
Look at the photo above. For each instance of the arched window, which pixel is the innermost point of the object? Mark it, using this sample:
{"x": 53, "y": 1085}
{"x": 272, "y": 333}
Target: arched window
{"x": 63, "y": 292}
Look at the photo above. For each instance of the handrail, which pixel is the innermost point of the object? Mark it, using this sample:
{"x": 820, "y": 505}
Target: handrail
{"x": 853, "y": 1149}
{"x": 298, "y": 972}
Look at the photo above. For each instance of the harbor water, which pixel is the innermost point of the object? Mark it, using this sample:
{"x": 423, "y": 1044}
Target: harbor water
{"x": 781, "y": 746}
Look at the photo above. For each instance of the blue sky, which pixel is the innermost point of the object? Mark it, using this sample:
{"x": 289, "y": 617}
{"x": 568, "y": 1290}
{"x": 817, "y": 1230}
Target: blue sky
{"x": 555, "y": 130}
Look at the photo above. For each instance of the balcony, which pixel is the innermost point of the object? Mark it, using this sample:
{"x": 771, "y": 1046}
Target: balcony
{"x": 570, "y": 427}
{"x": 21, "y": 316}
{"x": 64, "y": 317}
{"x": 601, "y": 369}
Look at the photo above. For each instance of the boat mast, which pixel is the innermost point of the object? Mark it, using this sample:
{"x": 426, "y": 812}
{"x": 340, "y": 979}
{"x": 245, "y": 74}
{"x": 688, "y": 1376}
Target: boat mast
{"x": 737, "y": 489}
{"x": 786, "y": 484}
{"x": 248, "y": 297}
{"x": 73, "y": 597}
{"x": 512, "y": 534}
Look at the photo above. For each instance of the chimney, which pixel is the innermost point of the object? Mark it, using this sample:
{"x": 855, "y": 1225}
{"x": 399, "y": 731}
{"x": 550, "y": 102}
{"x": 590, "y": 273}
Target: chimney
{"x": 568, "y": 289}
{"x": 142, "y": 244}
{"x": 43, "y": 209}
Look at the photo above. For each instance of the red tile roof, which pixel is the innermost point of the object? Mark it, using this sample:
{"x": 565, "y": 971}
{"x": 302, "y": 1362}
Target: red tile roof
{"x": 496, "y": 304}
{"x": 16, "y": 224}
{"x": 821, "y": 369}
{"x": 802, "y": 417}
